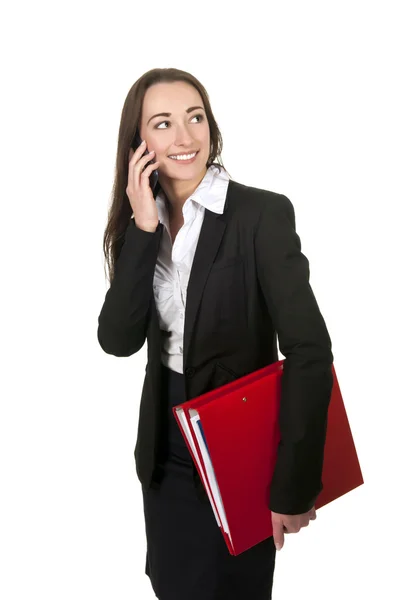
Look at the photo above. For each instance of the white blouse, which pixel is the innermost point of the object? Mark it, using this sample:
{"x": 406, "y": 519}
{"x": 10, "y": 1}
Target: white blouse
{"x": 173, "y": 264}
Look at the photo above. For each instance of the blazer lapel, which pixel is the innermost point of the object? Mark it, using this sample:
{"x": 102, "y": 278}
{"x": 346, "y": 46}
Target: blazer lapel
{"x": 210, "y": 237}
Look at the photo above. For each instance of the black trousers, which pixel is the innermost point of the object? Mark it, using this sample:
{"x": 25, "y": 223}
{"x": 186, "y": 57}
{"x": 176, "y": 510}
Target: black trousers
{"x": 187, "y": 557}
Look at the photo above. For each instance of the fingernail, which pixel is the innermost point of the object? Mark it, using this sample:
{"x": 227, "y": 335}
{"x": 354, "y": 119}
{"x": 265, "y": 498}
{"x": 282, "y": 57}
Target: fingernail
{"x": 278, "y": 546}
{"x": 143, "y": 142}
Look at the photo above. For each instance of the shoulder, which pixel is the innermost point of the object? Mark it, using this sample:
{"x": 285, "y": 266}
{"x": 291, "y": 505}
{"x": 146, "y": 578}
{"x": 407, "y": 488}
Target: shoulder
{"x": 256, "y": 203}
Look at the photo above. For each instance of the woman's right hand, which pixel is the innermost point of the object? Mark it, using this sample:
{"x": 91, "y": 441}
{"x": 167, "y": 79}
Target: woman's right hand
{"x": 139, "y": 191}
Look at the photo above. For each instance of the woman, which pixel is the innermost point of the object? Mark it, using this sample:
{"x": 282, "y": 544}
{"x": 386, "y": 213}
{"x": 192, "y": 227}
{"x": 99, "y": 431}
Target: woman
{"x": 209, "y": 271}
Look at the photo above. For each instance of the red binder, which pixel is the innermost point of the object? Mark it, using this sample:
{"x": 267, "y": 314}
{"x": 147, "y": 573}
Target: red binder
{"x": 235, "y": 447}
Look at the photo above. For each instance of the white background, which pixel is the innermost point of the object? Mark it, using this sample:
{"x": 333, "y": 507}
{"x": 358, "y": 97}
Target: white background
{"x": 314, "y": 101}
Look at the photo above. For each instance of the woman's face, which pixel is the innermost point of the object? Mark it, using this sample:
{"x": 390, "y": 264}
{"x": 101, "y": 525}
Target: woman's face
{"x": 177, "y": 133}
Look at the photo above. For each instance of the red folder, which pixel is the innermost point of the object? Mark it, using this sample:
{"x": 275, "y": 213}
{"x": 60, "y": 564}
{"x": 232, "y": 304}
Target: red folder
{"x": 235, "y": 447}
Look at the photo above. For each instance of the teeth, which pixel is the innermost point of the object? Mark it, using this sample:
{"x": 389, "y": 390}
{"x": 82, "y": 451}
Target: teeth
{"x": 183, "y": 156}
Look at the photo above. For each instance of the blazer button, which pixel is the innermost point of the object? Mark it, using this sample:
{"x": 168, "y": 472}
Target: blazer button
{"x": 190, "y": 371}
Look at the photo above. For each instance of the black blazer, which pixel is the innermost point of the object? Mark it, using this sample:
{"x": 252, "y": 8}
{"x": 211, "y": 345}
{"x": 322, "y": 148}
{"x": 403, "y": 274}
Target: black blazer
{"x": 249, "y": 282}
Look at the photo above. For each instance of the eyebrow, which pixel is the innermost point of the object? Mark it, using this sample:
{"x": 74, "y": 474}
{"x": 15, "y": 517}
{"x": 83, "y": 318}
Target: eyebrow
{"x": 165, "y": 114}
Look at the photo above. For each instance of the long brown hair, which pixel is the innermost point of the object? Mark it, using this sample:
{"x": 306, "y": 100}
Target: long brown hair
{"x": 120, "y": 211}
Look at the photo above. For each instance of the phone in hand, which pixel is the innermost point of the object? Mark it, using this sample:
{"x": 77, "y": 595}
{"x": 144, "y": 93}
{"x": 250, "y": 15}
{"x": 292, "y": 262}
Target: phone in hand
{"x": 154, "y": 175}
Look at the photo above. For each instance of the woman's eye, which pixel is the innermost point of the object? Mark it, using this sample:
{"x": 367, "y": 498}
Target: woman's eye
{"x": 195, "y": 116}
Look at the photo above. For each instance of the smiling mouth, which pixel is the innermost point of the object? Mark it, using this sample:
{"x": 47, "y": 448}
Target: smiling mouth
{"x": 191, "y": 156}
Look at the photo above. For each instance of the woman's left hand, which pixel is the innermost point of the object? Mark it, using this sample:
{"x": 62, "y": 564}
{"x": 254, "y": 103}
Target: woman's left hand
{"x": 282, "y": 524}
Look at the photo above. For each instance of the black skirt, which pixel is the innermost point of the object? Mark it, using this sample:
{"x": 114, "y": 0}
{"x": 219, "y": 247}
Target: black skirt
{"x": 187, "y": 557}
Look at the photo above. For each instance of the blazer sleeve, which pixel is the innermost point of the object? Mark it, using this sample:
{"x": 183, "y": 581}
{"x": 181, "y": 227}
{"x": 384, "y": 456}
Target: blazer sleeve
{"x": 122, "y": 323}
{"x": 283, "y": 274}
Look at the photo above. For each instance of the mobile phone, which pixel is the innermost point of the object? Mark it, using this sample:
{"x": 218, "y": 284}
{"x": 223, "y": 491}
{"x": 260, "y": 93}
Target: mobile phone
{"x": 154, "y": 175}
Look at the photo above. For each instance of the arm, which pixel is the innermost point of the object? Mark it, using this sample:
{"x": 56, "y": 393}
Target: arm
{"x": 283, "y": 273}
{"x": 122, "y": 322}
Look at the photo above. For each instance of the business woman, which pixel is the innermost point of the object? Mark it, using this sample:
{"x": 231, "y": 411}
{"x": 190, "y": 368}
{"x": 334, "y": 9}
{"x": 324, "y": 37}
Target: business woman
{"x": 210, "y": 272}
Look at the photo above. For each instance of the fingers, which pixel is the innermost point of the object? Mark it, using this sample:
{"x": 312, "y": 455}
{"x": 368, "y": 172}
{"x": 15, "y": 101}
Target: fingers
{"x": 135, "y": 159}
{"x": 146, "y": 159}
{"x": 148, "y": 170}
{"x": 152, "y": 167}
{"x": 282, "y": 524}
{"x": 293, "y": 527}
{"x": 278, "y": 535}
{"x": 139, "y": 166}
{"x": 138, "y": 153}
{"x": 278, "y": 530}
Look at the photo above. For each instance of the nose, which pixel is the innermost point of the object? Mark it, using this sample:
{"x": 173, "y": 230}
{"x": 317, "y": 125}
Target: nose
{"x": 183, "y": 137}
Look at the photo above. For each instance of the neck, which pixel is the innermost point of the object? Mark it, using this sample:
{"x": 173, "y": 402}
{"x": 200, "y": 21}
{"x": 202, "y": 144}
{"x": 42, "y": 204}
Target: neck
{"x": 177, "y": 191}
